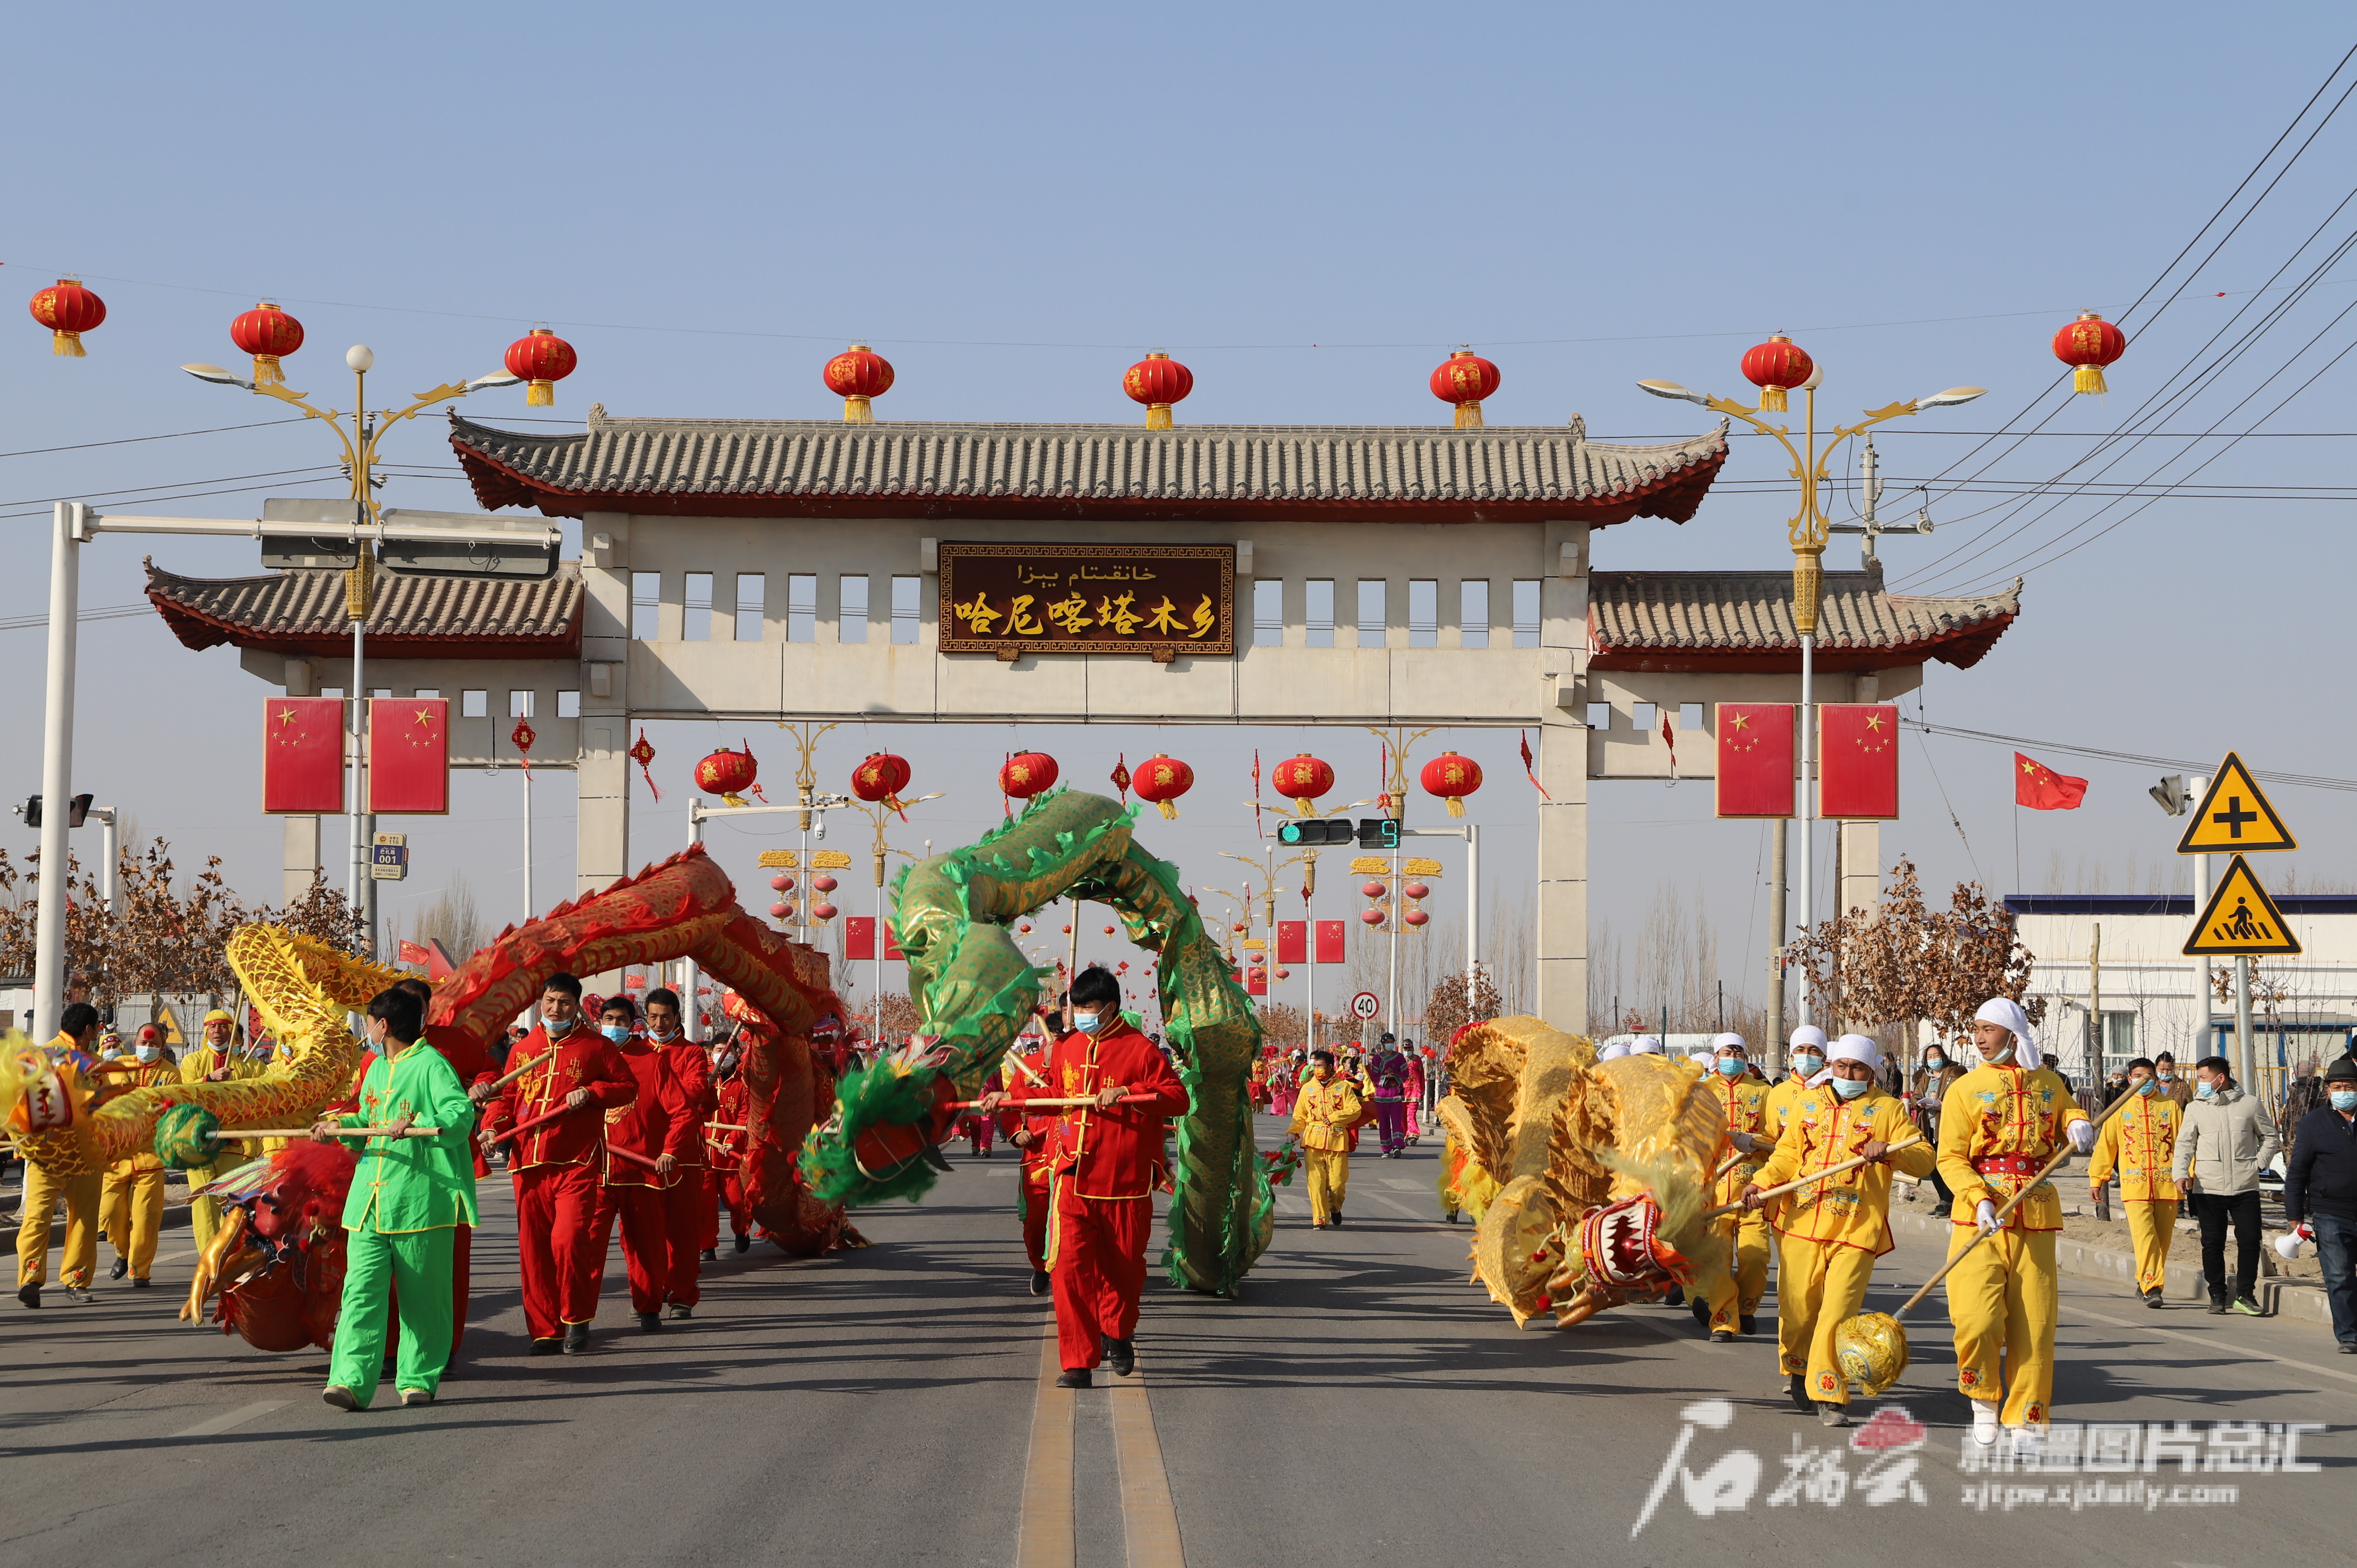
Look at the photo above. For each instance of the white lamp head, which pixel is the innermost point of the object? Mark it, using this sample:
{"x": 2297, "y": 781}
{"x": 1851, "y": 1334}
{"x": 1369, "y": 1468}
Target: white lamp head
{"x": 496, "y": 379}
{"x": 1669, "y": 390}
{"x": 1817, "y": 376}
{"x": 360, "y": 357}
{"x": 1951, "y": 397}
{"x": 218, "y": 376}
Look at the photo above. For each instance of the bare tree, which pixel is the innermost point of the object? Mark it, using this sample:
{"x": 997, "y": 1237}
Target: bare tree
{"x": 1281, "y": 1025}
{"x": 453, "y": 918}
{"x": 1447, "y": 1010}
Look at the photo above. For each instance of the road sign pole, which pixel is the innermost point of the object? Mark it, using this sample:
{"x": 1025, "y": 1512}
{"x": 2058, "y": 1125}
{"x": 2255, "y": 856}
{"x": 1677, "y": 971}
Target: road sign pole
{"x": 2246, "y": 1056}
{"x": 57, "y": 769}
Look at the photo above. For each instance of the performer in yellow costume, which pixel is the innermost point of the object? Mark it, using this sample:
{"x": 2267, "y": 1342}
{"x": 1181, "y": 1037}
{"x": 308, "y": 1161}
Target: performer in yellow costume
{"x": 1805, "y": 1058}
{"x": 131, "y": 1204}
{"x": 1728, "y": 1300}
{"x": 1322, "y": 1119}
{"x": 1999, "y": 1125}
{"x": 217, "y": 1060}
{"x": 2139, "y": 1145}
{"x": 1833, "y": 1231}
{"x": 68, "y": 1055}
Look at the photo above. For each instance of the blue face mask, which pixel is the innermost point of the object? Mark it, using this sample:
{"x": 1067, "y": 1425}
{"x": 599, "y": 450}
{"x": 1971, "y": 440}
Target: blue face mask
{"x": 144, "y": 1053}
{"x": 1934, "y": 1063}
{"x": 2205, "y": 1090}
{"x": 1807, "y": 1064}
{"x": 2344, "y": 1100}
{"x": 1086, "y": 1022}
{"x": 2146, "y": 1087}
{"x": 1730, "y": 1066}
{"x": 554, "y": 1030}
{"x": 617, "y": 1032}
{"x": 1850, "y": 1087}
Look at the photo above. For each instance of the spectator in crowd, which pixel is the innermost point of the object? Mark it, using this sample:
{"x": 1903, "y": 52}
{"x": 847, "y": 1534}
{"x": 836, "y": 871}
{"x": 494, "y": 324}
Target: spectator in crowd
{"x": 2225, "y": 1143}
{"x": 2305, "y": 1093}
{"x": 2174, "y": 1085}
{"x": 1931, "y": 1080}
{"x": 2320, "y": 1187}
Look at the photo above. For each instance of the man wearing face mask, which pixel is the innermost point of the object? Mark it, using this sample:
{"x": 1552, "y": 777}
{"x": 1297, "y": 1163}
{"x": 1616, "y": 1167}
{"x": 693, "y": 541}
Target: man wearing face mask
{"x": 2139, "y": 1145}
{"x": 1323, "y": 1115}
{"x": 1999, "y": 1125}
{"x": 217, "y": 1060}
{"x": 628, "y": 1191}
{"x": 1940, "y": 1069}
{"x": 687, "y": 1079}
{"x": 724, "y": 1152}
{"x": 131, "y": 1204}
{"x": 2174, "y": 1085}
{"x": 1104, "y": 1157}
{"x": 70, "y": 1055}
{"x": 2320, "y": 1184}
{"x": 1834, "y": 1230}
{"x": 1804, "y": 1058}
{"x": 554, "y": 1165}
{"x": 2223, "y": 1140}
{"x": 1730, "y": 1301}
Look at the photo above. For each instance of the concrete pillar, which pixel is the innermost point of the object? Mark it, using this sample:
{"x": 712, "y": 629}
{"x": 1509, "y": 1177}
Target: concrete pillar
{"x": 1562, "y": 934}
{"x": 1861, "y": 866}
{"x": 602, "y": 845}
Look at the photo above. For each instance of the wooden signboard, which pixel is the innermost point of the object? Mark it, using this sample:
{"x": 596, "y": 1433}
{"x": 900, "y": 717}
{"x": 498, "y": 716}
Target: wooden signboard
{"x": 1157, "y": 599}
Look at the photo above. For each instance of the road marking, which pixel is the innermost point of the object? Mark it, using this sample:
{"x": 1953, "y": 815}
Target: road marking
{"x": 1396, "y": 1206}
{"x": 1044, "y": 1538}
{"x": 1149, "y": 1519}
{"x": 2211, "y": 1342}
{"x": 234, "y": 1418}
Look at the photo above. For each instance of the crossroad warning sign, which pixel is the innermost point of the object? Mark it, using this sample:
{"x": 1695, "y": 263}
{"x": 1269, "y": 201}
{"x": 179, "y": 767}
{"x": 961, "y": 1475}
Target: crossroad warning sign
{"x": 2234, "y": 816}
{"x": 2240, "y": 918}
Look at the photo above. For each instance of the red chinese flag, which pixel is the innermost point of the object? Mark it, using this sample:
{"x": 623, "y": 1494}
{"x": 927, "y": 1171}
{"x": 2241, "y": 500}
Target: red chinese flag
{"x": 1330, "y": 942}
{"x": 1293, "y": 941}
{"x": 858, "y": 936}
{"x": 1755, "y": 760}
{"x": 410, "y": 952}
{"x": 892, "y": 942}
{"x": 303, "y": 756}
{"x": 2041, "y": 788}
{"x": 409, "y": 756}
{"x": 1858, "y": 761}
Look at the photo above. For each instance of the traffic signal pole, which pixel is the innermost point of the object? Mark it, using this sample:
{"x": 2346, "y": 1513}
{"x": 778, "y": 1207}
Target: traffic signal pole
{"x": 57, "y": 767}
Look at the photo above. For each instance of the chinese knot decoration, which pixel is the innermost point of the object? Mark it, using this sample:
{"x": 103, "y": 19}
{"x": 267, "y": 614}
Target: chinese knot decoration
{"x": 1452, "y": 777}
{"x": 1775, "y": 367}
{"x": 543, "y": 359}
{"x": 882, "y": 777}
{"x": 269, "y": 334}
{"x": 1028, "y": 774}
{"x": 1162, "y": 780}
{"x": 732, "y": 774}
{"x": 1119, "y": 777}
{"x": 1465, "y": 378}
{"x": 522, "y": 737}
{"x": 2088, "y": 344}
{"x": 644, "y": 756}
{"x": 68, "y": 310}
{"x": 1158, "y": 380}
{"x": 859, "y": 375}
{"x": 1302, "y": 780}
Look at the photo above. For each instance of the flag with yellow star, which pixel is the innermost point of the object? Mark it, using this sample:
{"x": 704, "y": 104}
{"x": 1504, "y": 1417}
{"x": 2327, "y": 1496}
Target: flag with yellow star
{"x": 409, "y": 756}
{"x": 1755, "y": 760}
{"x": 303, "y": 756}
{"x": 1858, "y": 771}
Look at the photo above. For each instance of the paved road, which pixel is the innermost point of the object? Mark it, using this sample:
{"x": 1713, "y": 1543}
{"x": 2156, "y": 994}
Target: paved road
{"x": 887, "y": 1406}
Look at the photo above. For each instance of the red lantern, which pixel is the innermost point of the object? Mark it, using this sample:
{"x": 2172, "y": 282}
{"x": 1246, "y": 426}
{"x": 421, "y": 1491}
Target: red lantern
{"x": 2089, "y": 343}
{"x": 1025, "y": 927}
{"x": 1371, "y": 917}
{"x": 1241, "y": 927}
{"x": 1415, "y": 916}
{"x": 856, "y": 375}
{"x": 1417, "y": 890}
{"x": 543, "y": 359}
{"x": 68, "y": 310}
{"x": 1775, "y": 367}
{"x": 781, "y": 911}
{"x": 1158, "y": 380}
{"x": 1302, "y": 780}
{"x": 1452, "y": 777}
{"x": 1026, "y": 774}
{"x": 823, "y": 883}
{"x": 1371, "y": 890}
{"x": 822, "y": 912}
{"x": 1285, "y": 974}
{"x": 1465, "y": 378}
{"x": 781, "y": 884}
{"x": 1068, "y": 930}
{"x": 730, "y": 774}
{"x": 1108, "y": 930}
{"x": 1162, "y": 780}
{"x": 268, "y": 334}
{"x": 882, "y": 777}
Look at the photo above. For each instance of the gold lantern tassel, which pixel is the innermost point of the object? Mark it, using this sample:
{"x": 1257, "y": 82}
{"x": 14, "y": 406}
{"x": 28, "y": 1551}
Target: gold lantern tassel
{"x": 1772, "y": 400}
{"x": 1456, "y": 805}
{"x": 266, "y": 372}
{"x": 1302, "y": 808}
{"x": 1469, "y": 415}
{"x": 1157, "y": 416}
{"x": 1169, "y": 812}
{"x": 66, "y": 343}
{"x": 2088, "y": 379}
{"x": 540, "y": 394}
{"x": 859, "y": 411}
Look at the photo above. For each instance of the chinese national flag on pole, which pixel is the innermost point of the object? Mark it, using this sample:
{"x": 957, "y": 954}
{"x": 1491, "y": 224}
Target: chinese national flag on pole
{"x": 1755, "y": 760}
{"x": 1293, "y": 941}
{"x": 410, "y": 952}
{"x": 858, "y": 936}
{"x": 2041, "y": 788}
{"x": 409, "y": 756}
{"x": 892, "y": 942}
{"x": 1330, "y": 942}
{"x": 1858, "y": 761}
{"x": 303, "y": 756}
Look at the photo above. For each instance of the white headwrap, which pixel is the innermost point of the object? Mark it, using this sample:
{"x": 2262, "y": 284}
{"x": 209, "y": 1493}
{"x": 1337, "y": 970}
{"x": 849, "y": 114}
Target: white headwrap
{"x": 1699, "y": 1055}
{"x": 2006, "y": 1012}
{"x": 1645, "y": 1045}
{"x": 1808, "y": 1035}
{"x": 1849, "y": 1049}
{"x": 1613, "y": 1052}
{"x": 1730, "y": 1038}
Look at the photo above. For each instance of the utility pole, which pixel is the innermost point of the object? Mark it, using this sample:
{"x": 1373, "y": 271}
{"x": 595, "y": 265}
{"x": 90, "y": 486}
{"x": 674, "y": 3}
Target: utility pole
{"x": 1775, "y": 1041}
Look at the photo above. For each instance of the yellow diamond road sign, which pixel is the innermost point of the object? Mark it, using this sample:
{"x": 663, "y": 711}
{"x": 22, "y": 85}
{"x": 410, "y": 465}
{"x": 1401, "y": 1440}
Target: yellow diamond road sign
{"x": 2240, "y": 918}
{"x": 2234, "y": 817}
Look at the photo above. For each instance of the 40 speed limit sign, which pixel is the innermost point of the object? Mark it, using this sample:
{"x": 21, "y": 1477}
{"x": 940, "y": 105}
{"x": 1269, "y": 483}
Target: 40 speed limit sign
{"x": 1366, "y": 1004}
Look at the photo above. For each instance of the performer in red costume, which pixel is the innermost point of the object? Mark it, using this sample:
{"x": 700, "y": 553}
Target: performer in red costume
{"x": 687, "y": 1202}
{"x": 725, "y": 1152}
{"x": 626, "y": 1189}
{"x": 1104, "y": 1159}
{"x": 1026, "y": 1063}
{"x": 556, "y": 1175}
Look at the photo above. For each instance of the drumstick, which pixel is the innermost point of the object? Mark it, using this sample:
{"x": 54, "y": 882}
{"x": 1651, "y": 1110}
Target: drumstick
{"x": 521, "y": 1128}
{"x": 1812, "y": 1176}
{"x": 519, "y": 1072}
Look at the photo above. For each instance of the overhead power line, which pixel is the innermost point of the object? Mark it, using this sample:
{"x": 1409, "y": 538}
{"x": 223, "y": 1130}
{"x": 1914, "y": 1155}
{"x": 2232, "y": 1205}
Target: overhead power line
{"x": 2298, "y": 780}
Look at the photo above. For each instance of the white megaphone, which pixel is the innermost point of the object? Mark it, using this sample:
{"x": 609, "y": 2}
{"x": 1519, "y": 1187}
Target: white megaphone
{"x": 2288, "y": 1244}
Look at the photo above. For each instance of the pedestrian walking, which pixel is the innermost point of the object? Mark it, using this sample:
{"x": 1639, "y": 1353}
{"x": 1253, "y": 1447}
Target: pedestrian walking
{"x": 2225, "y": 1140}
{"x": 2321, "y": 1189}
{"x": 1386, "y": 1080}
{"x": 1931, "y": 1085}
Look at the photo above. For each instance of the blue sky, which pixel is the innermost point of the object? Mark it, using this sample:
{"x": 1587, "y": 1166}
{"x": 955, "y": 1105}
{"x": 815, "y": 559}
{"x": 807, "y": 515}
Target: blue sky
{"x": 1308, "y": 204}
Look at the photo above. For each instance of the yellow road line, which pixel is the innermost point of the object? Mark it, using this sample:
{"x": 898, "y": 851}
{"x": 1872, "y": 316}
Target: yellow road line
{"x": 1044, "y": 1539}
{"x": 1149, "y": 1519}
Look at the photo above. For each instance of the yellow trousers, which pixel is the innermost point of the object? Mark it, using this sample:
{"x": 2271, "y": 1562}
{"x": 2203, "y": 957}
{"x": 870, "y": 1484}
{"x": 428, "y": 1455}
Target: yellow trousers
{"x": 1734, "y": 1293}
{"x": 2003, "y": 1300}
{"x": 2151, "y": 1227}
{"x": 133, "y": 1211}
{"x": 42, "y": 1191}
{"x": 204, "y": 1213}
{"x": 1329, "y": 1178}
{"x": 1818, "y": 1286}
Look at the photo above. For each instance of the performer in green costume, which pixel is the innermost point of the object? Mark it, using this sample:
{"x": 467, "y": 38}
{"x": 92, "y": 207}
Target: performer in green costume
{"x": 406, "y": 1196}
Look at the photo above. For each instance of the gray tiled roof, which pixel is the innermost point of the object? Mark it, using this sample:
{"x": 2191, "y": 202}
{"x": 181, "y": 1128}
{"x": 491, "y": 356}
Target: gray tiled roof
{"x": 793, "y": 467}
{"x": 1646, "y": 619}
{"x": 303, "y": 611}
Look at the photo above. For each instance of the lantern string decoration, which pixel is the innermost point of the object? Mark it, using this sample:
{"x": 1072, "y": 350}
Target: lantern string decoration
{"x": 858, "y": 376}
{"x": 269, "y": 334}
{"x": 2088, "y": 344}
{"x": 68, "y": 310}
{"x": 543, "y": 359}
{"x": 1452, "y": 777}
{"x": 1465, "y": 377}
{"x": 1775, "y": 367}
{"x": 1302, "y": 780}
{"x": 880, "y": 778}
{"x": 644, "y": 756}
{"x": 1158, "y": 380}
{"x": 1162, "y": 780}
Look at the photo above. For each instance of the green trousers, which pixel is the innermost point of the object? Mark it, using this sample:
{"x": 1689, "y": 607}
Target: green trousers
{"x": 418, "y": 1263}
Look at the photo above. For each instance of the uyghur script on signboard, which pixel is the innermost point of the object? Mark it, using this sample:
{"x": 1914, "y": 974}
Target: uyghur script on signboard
{"x": 1157, "y": 599}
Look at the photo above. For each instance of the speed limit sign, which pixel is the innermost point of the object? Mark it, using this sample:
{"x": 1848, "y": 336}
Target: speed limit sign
{"x": 1365, "y": 1004}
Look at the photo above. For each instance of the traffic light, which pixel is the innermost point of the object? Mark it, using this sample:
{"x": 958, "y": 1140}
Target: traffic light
{"x": 1313, "y": 829}
{"x": 77, "y": 809}
{"x": 1379, "y": 832}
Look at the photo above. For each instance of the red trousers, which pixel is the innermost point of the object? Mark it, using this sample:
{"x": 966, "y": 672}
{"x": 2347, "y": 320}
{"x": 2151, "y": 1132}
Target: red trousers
{"x": 724, "y": 1188}
{"x": 1034, "y": 1219}
{"x": 1096, "y": 1262}
{"x": 555, "y": 1212}
{"x": 646, "y": 1251}
{"x": 686, "y": 1206}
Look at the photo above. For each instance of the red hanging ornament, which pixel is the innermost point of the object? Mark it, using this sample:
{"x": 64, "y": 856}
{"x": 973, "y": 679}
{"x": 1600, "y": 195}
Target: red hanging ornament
{"x": 543, "y": 359}
{"x": 1465, "y": 378}
{"x": 2089, "y": 344}
{"x": 1371, "y": 890}
{"x": 1158, "y": 380}
{"x": 1162, "y": 780}
{"x": 730, "y": 774}
{"x": 781, "y": 882}
{"x": 823, "y": 883}
{"x": 1026, "y": 774}
{"x": 269, "y": 334}
{"x": 68, "y": 310}
{"x": 857, "y": 375}
{"x": 1775, "y": 367}
{"x": 881, "y": 778}
{"x": 1371, "y": 917}
{"x": 1415, "y": 916}
{"x": 644, "y": 756}
{"x": 1302, "y": 780}
{"x": 822, "y": 912}
{"x": 1119, "y": 777}
{"x": 522, "y": 737}
{"x": 1452, "y": 777}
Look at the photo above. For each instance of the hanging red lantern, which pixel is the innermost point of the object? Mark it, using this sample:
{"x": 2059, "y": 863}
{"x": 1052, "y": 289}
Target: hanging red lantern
{"x": 857, "y": 375}
{"x": 822, "y": 912}
{"x": 882, "y": 777}
{"x": 1285, "y": 974}
{"x": 1025, "y": 929}
{"x": 781, "y": 884}
{"x": 1241, "y": 927}
{"x": 269, "y": 334}
{"x": 1452, "y": 777}
{"x": 1108, "y": 930}
{"x": 644, "y": 756}
{"x": 1417, "y": 890}
{"x": 1158, "y": 380}
{"x": 1302, "y": 780}
{"x": 1371, "y": 917}
{"x": 1415, "y": 916}
{"x": 2089, "y": 344}
{"x": 823, "y": 883}
{"x": 543, "y": 359}
{"x": 1162, "y": 780}
{"x": 68, "y": 310}
{"x": 1026, "y": 774}
{"x": 1465, "y": 377}
{"x": 1372, "y": 889}
{"x": 1068, "y": 930}
{"x": 1775, "y": 367}
{"x": 781, "y": 911}
{"x": 730, "y": 774}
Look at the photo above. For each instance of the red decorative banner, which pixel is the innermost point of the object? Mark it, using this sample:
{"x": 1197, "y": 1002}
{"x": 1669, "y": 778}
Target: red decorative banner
{"x": 858, "y": 937}
{"x": 409, "y": 756}
{"x": 1755, "y": 760}
{"x": 1330, "y": 942}
{"x": 303, "y": 756}
{"x": 1858, "y": 764}
{"x": 1291, "y": 941}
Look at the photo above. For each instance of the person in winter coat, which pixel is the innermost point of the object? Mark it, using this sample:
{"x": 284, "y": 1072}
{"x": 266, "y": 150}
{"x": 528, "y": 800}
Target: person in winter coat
{"x": 2226, "y": 1139}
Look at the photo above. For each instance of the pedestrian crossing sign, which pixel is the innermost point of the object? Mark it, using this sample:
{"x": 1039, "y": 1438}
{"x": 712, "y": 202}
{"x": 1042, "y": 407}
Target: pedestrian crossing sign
{"x": 2234, "y": 816}
{"x": 2240, "y": 918}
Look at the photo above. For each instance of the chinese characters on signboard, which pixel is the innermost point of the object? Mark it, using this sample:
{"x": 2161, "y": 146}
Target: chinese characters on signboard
{"x": 1157, "y": 599}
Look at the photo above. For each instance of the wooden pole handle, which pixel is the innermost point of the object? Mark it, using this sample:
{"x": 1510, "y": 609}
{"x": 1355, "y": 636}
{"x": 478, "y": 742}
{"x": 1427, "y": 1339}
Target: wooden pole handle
{"x": 1813, "y": 1176}
{"x": 228, "y": 1133}
{"x": 1027, "y": 1106}
{"x": 501, "y": 1082}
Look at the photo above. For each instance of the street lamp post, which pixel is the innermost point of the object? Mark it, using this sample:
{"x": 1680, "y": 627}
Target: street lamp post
{"x": 1808, "y": 531}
